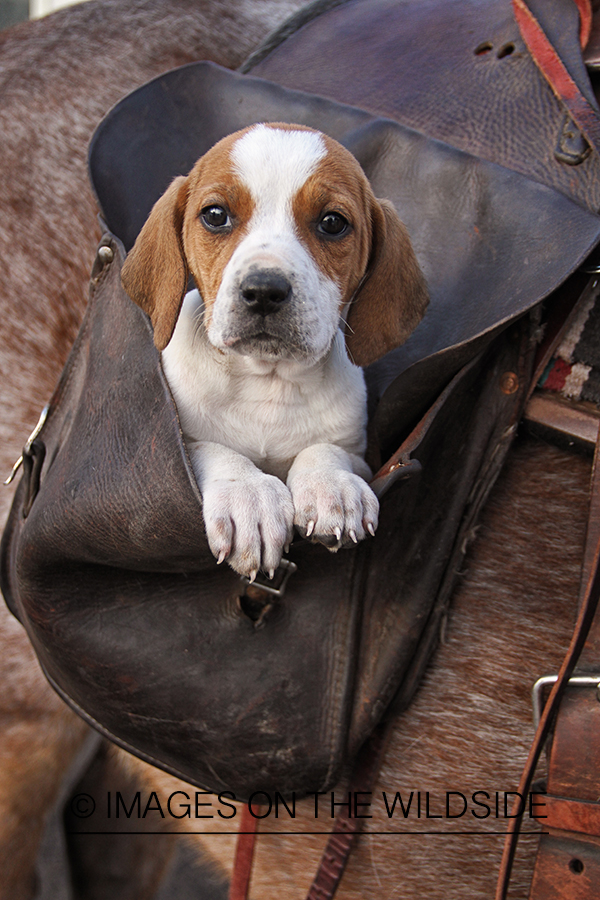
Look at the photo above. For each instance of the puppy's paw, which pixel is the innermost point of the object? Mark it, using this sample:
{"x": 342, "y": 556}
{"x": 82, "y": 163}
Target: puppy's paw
{"x": 248, "y": 522}
{"x": 334, "y": 508}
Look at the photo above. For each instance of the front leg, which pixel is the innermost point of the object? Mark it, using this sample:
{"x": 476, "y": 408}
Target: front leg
{"x": 333, "y": 503}
{"x": 248, "y": 515}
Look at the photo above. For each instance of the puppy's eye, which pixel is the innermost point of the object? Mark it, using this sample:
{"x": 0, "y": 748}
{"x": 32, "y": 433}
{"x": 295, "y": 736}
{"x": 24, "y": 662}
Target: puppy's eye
{"x": 333, "y": 224}
{"x": 215, "y": 217}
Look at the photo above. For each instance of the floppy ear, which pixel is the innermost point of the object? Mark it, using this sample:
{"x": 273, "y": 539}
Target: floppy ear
{"x": 391, "y": 300}
{"x": 155, "y": 273}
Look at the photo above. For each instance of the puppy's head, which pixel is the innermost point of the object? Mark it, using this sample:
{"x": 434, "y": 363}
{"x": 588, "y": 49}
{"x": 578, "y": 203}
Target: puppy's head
{"x": 280, "y": 229}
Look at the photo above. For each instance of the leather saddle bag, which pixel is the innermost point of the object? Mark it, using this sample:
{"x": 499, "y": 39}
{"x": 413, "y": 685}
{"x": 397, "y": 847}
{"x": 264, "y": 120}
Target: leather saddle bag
{"x": 104, "y": 558}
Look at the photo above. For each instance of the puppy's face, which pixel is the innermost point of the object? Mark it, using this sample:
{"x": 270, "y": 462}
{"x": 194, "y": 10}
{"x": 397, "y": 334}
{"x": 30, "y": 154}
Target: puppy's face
{"x": 277, "y": 235}
{"x": 280, "y": 229}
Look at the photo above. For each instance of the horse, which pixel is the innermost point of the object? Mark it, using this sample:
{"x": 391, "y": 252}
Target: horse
{"x": 468, "y": 729}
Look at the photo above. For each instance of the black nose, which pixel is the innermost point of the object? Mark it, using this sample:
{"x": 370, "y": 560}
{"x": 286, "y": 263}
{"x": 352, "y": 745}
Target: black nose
{"x": 265, "y": 292}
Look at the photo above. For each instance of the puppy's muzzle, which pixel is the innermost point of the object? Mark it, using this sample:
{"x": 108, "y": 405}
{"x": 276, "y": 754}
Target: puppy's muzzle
{"x": 265, "y": 292}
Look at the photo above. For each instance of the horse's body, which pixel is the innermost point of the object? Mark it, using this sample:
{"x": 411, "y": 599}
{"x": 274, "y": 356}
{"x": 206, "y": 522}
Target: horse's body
{"x": 470, "y": 725}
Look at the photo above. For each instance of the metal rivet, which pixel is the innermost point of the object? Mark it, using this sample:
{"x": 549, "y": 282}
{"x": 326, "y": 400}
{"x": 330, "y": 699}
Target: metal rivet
{"x": 509, "y": 383}
{"x": 105, "y": 254}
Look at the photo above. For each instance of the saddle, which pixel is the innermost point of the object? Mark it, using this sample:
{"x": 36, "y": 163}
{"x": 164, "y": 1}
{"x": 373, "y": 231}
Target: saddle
{"x": 237, "y": 687}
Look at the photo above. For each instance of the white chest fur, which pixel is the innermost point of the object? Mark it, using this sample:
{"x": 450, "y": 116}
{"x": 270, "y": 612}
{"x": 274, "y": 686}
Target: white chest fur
{"x": 268, "y": 411}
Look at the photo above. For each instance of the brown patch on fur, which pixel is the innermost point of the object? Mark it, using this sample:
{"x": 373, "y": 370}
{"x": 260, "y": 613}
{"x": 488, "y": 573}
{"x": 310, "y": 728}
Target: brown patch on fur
{"x": 174, "y": 242}
{"x": 393, "y": 298}
{"x": 338, "y": 185}
{"x": 155, "y": 273}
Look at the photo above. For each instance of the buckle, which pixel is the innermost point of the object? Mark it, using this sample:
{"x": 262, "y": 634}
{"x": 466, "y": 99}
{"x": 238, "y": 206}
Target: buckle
{"x": 29, "y": 444}
{"x": 274, "y": 587}
{"x": 260, "y": 595}
{"x": 575, "y": 681}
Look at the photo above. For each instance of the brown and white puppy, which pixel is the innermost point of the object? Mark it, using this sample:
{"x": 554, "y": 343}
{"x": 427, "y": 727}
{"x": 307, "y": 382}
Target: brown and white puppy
{"x": 284, "y": 237}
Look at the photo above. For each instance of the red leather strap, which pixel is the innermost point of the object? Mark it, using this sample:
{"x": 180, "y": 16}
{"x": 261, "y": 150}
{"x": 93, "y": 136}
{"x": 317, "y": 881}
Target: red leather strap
{"x": 585, "y": 21}
{"x": 244, "y": 855}
{"x": 553, "y": 69}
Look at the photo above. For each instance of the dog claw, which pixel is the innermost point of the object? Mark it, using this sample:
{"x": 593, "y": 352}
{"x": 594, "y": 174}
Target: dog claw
{"x": 222, "y": 557}
{"x": 252, "y": 576}
{"x": 370, "y": 529}
{"x": 310, "y": 528}
{"x": 338, "y": 533}
{"x": 353, "y": 536}
{"x": 271, "y": 573}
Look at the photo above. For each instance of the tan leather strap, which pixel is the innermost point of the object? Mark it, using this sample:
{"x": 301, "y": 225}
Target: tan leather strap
{"x": 578, "y": 816}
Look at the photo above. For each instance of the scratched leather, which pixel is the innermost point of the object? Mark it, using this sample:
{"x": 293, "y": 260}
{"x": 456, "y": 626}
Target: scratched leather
{"x": 142, "y": 633}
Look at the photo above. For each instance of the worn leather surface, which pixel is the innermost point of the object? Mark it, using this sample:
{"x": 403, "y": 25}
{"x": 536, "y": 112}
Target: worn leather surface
{"x": 458, "y": 71}
{"x": 141, "y": 631}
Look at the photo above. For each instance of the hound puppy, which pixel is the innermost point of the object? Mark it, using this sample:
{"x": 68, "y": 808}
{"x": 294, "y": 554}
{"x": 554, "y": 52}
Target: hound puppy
{"x": 284, "y": 238}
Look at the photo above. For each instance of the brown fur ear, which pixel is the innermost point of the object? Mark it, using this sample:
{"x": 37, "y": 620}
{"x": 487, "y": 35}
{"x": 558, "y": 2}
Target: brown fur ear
{"x": 155, "y": 273}
{"x": 393, "y": 297}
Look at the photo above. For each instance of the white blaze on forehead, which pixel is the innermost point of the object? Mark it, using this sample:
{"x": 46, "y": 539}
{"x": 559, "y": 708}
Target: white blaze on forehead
{"x": 274, "y": 164}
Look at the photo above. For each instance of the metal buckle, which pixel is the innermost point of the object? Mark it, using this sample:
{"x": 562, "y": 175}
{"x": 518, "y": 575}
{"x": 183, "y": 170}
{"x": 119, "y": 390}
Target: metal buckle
{"x": 30, "y": 440}
{"x": 541, "y": 683}
{"x": 276, "y": 586}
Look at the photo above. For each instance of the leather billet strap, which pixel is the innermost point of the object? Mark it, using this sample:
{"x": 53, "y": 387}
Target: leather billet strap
{"x": 244, "y": 856}
{"x": 583, "y": 110}
{"x": 341, "y": 840}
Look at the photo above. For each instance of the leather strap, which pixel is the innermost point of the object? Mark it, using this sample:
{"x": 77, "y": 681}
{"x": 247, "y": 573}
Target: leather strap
{"x": 342, "y": 839}
{"x": 580, "y": 816}
{"x": 553, "y": 69}
{"x": 590, "y": 593}
{"x": 568, "y": 860}
{"x": 244, "y": 856}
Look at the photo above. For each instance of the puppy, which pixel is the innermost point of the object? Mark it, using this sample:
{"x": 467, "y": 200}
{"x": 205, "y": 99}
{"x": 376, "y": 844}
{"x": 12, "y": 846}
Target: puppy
{"x": 302, "y": 276}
